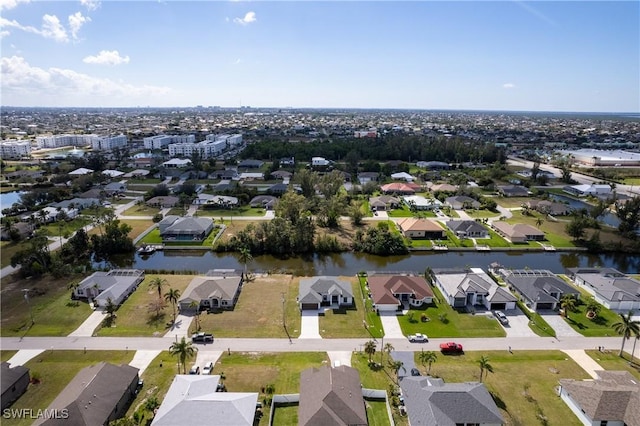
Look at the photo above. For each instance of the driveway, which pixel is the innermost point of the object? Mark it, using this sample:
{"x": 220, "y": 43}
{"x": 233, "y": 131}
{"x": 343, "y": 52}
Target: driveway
{"x": 181, "y": 326}
{"x": 142, "y": 359}
{"x": 585, "y": 361}
{"x": 407, "y": 362}
{"x": 558, "y": 324}
{"x": 518, "y": 324}
{"x": 310, "y": 325}
{"x": 23, "y": 356}
{"x": 340, "y": 358}
{"x": 391, "y": 325}
{"x": 204, "y": 357}
{"x": 89, "y": 325}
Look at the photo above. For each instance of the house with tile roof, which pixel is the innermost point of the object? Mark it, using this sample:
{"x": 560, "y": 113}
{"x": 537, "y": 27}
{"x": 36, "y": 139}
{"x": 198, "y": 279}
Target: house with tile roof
{"x": 418, "y": 228}
{"x": 612, "y": 399}
{"x": 610, "y": 287}
{"x": 210, "y": 292}
{"x": 398, "y": 188}
{"x": 324, "y": 291}
{"x": 472, "y": 287}
{"x": 392, "y": 292}
{"x": 518, "y": 232}
{"x": 331, "y": 396}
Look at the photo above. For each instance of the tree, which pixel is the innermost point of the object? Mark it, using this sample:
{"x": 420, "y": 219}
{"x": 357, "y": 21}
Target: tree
{"x": 291, "y": 206}
{"x": 629, "y": 215}
{"x": 396, "y": 366}
{"x": 270, "y": 389}
{"x": 195, "y": 305}
{"x": 568, "y": 303}
{"x": 370, "y": 349}
{"x": 626, "y": 326}
{"x": 158, "y": 283}
{"x": 356, "y": 213}
{"x": 34, "y": 260}
{"x": 485, "y": 367}
{"x": 172, "y": 297}
{"x": 428, "y": 357}
{"x": 593, "y": 308}
{"x": 183, "y": 349}
{"x": 110, "y": 308}
{"x": 245, "y": 257}
{"x": 539, "y": 222}
{"x": 576, "y": 227}
{"x": 307, "y": 180}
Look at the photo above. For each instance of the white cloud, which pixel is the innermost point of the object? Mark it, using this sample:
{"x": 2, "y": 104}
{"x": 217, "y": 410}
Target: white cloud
{"x": 52, "y": 28}
{"x": 107, "y": 57}
{"x": 90, "y": 4}
{"x": 22, "y": 83}
{"x": 248, "y": 19}
{"x": 508, "y": 86}
{"x": 15, "y": 24}
{"x": 10, "y": 4}
{"x": 3, "y": 34}
{"x": 76, "y": 21}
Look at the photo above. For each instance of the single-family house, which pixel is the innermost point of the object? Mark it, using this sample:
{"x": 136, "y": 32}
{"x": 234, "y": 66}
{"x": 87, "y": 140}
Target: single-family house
{"x": 392, "y": 292}
{"x": 594, "y": 190}
{"x": 418, "y": 228}
{"x": 324, "y": 291}
{"x": 267, "y": 202}
{"x": 552, "y": 208}
{"x": 612, "y": 399}
{"x": 138, "y": 173}
{"x": 177, "y": 163}
{"x": 540, "y": 289}
{"x": 517, "y": 233}
{"x": 398, "y": 188}
{"x": 208, "y": 201}
{"x": 176, "y": 228}
{"x": 24, "y": 230}
{"x": 431, "y": 401}
{"x": 227, "y": 174}
{"x": 93, "y": 193}
{"x": 113, "y": 173}
{"x": 281, "y": 174}
{"x": 250, "y": 164}
{"x": 117, "y": 285}
{"x": 15, "y": 381}
{"x": 467, "y": 228}
{"x": 331, "y": 396}
{"x": 114, "y": 188}
{"x": 366, "y": 177}
{"x": 384, "y": 202}
{"x": 403, "y": 176}
{"x": 472, "y": 287}
{"x": 248, "y": 176}
{"x": 460, "y": 202}
{"x": 418, "y": 202}
{"x": 80, "y": 172}
{"x": 287, "y": 161}
{"x": 97, "y": 395}
{"x": 278, "y": 188}
{"x": 442, "y": 187}
{"x": 210, "y": 292}
{"x": 320, "y": 162}
{"x": 610, "y": 287}
{"x": 163, "y": 201}
{"x": 513, "y": 191}
{"x": 433, "y": 165}
{"x": 77, "y": 203}
{"x": 192, "y": 400}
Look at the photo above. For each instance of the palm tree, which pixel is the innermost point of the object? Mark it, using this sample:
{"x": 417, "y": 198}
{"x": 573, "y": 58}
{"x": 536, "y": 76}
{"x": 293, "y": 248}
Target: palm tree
{"x": 396, "y": 366}
{"x": 567, "y": 303}
{"x": 370, "y": 349}
{"x": 195, "y": 305}
{"x": 172, "y": 297}
{"x": 626, "y": 326}
{"x": 485, "y": 367}
{"x": 158, "y": 283}
{"x": 539, "y": 222}
{"x": 270, "y": 390}
{"x": 183, "y": 350}
{"x": 428, "y": 357}
{"x": 110, "y": 308}
{"x": 593, "y": 308}
{"x": 245, "y": 257}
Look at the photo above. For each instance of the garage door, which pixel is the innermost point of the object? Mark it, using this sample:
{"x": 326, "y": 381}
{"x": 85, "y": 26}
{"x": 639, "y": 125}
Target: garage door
{"x": 544, "y": 306}
{"x": 309, "y": 306}
{"x": 498, "y": 306}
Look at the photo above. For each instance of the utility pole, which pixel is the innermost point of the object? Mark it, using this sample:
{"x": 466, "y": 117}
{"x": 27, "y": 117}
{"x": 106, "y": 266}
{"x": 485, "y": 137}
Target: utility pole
{"x": 26, "y": 297}
{"x": 382, "y": 347}
{"x": 284, "y": 324}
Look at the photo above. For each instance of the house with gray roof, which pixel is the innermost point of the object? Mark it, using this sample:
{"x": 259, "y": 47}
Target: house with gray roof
{"x": 163, "y": 201}
{"x": 459, "y": 202}
{"x": 193, "y": 400}
{"x": 114, "y": 188}
{"x": 331, "y": 396}
{"x": 472, "y": 288}
{"x": 210, "y": 292}
{"x": 267, "y": 202}
{"x": 250, "y": 164}
{"x": 467, "y": 228}
{"x": 610, "y": 287}
{"x": 384, "y": 202}
{"x": 77, "y": 203}
{"x": 540, "y": 289}
{"x": 513, "y": 191}
{"x": 117, "y": 285}
{"x": 176, "y": 228}
{"x": 97, "y": 395}
{"x": 612, "y": 399}
{"x": 431, "y": 401}
{"x": 324, "y": 291}
{"x": 15, "y": 381}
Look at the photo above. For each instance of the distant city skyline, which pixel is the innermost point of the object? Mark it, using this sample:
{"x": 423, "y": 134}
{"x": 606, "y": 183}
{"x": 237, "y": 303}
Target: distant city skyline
{"x": 570, "y": 56}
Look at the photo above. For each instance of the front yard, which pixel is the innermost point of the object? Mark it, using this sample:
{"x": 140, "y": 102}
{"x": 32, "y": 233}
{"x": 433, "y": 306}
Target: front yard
{"x": 141, "y": 210}
{"x": 344, "y": 323}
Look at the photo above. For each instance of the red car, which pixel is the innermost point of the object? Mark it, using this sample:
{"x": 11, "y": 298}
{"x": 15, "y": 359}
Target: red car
{"x": 450, "y": 348}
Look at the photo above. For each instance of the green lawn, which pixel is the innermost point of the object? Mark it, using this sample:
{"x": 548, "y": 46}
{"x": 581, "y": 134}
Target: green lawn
{"x": 144, "y": 181}
{"x": 55, "y": 369}
{"x": 239, "y": 211}
{"x": 554, "y": 232}
{"x": 258, "y": 312}
{"x": 418, "y": 242}
{"x": 8, "y": 249}
{"x": 401, "y": 212}
{"x": 154, "y": 237}
{"x": 522, "y": 383}
{"x": 65, "y": 228}
{"x": 509, "y": 202}
{"x": 453, "y": 324}
{"x": 609, "y": 360}
{"x": 54, "y": 313}
{"x": 599, "y": 326}
{"x": 136, "y": 317}
{"x": 374, "y": 324}
{"x": 481, "y": 214}
{"x": 6, "y": 355}
{"x": 250, "y": 372}
{"x": 141, "y": 210}
{"x": 342, "y": 323}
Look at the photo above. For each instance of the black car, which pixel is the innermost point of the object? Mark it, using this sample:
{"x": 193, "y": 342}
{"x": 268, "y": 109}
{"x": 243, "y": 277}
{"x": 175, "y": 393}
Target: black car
{"x": 415, "y": 372}
{"x": 202, "y": 338}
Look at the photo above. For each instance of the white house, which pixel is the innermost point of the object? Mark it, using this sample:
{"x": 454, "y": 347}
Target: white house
{"x": 319, "y": 161}
{"x": 403, "y": 176}
{"x": 418, "y": 202}
{"x": 609, "y": 287}
{"x": 471, "y": 287}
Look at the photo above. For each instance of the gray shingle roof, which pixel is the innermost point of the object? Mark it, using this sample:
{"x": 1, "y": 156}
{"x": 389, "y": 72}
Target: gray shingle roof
{"x": 323, "y": 285}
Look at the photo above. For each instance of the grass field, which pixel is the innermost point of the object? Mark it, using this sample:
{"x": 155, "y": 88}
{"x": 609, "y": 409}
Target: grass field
{"x": 8, "y": 249}
{"x": 65, "y": 228}
{"x": 258, "y": 312}
{"x": 135, "y": 317}
{"x": 609, "y": 360}
{"x": 141, "y": 210}
{"x": 54, "y": 313}
{"x": 6, "y": 355}
{"x": 343, "y": 323}
{"x": 240, "y": 211}
{"x": 56, "y": 369}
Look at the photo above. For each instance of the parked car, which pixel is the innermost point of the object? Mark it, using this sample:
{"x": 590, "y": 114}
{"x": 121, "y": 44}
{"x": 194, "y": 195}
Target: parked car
{"x": 501, "y": 317}
{"x": 194, "y": 370}
{"x": 451, "y": 348}
{"x": 208, "y": 368}
{"x": 202, "y": 338}
{"x": 415, "y": 372}
{"x": 418, "y": 338}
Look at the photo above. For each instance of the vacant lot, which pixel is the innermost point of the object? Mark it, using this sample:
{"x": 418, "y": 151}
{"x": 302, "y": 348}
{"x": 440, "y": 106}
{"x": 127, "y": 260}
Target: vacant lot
{"x": 259, "y": 310}
{"x": 137, "y": 315}
{"x": 141, "y": 210}
{"x": 55, "y": 369}
{"x": 54, "y": 313}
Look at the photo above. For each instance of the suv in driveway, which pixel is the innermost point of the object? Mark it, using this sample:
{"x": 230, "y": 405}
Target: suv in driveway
{"x": 194, "y": 370}
{"x": 501, "y": 317}
{"x": 208, "y": 368}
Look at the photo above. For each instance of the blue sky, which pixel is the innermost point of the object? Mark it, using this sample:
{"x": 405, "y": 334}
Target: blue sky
{"x": 503, "y": 55}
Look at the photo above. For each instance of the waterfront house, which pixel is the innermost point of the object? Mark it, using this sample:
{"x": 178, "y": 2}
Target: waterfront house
{"x": 513, "y": 191}
{"x": 470, "y": 288}
{"x": 610, "y": 287}
{"x": 210, "y": 292}
{"x": 176, "y": 228}
{"x": 117, "y": 285}
{"x": 324, "y": 291}
{"x": 418, "y": 228}
{"x": 467, "y": 229}
{"x": 517, "y": 233}
{"x": 391, "y": 292}
{"x": 540, "y": 289}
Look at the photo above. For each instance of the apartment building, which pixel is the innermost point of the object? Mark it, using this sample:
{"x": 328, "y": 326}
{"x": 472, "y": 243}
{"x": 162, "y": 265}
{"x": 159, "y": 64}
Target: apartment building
{"x": 212, "y": 146}
{"x": 162, "y": 141}
{"x": 59, "y": 141}
{"x": 15, "y": 149}
{"x": 107, "y": 143}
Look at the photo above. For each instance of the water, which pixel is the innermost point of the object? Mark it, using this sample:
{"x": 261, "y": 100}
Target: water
{"x": 607, "y": 217}
{"x": 7, "y": 199}
{"x": 352, "y": 263}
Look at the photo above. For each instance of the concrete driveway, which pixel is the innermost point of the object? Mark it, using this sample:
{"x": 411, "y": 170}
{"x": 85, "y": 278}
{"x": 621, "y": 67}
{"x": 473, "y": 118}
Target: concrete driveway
{"x": 407, "y": 362}
{"x": 340, "y": 358}
{"x": 181, "y": 326}
{"x": 204, "y": 357}
{"x": 310, "y": 325}
{"x": 89, "y": 325}
{"x": 391, "y": 325}
{"x": 142, "y": 359}
{"x": 518, "y": 324}
{"x": 558, "y": 324}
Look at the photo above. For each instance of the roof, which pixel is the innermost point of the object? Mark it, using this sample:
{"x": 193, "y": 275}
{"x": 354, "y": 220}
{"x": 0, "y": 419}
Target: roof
{"x": 112, "y": 173}
{"x": 419, "y": 200}
{"x": 10, "y": 375}
{"x": 383, "y": 288}
{"x": 458, "y": 282}
{"x": 189, "y": 225}
{"x": 466, "y": 226}
{"x": 112, "y": 284}
{"x": 613, "y": 396}
{"x": 537, "y": 285}
{"x": 514, "y": 189}
{"x": 398, "y": 187}
{"x": 520, "y": 230}
{"x": 91, "y": 397}
{"x": 193, "y": 400}
{"x": 432, "y": 402}
{"x": 331, "y": 396}
{"x": 444, "y": 187}
{"x": 80, "y": 171}
{"x": 609, "y": 283}
{"x": 224, "y": 288}
{"x": 165, "y": 200}
{"x": 461, "y": 200}
{"x": 323, "y": 285}
{"x": 418, "y": 224}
